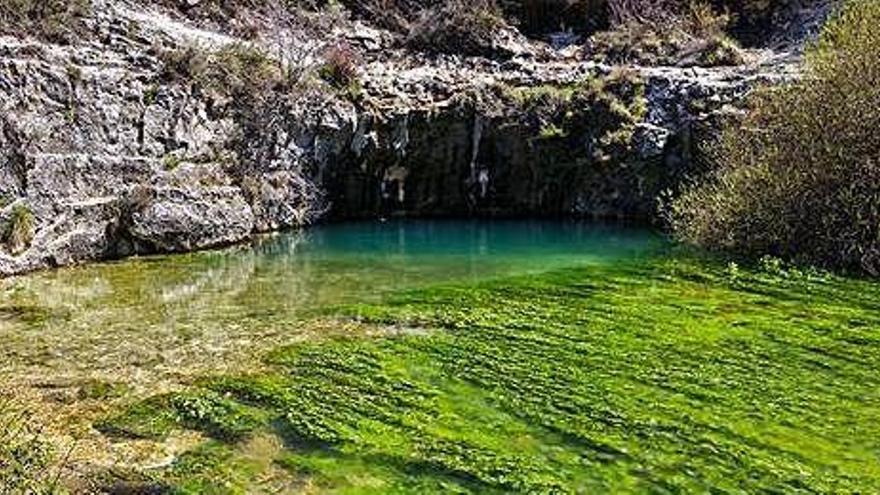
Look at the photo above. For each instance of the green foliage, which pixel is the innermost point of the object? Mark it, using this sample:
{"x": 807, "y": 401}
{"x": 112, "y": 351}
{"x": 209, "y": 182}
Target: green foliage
{"x": 182, "y": 65}
{"x": 603, "y": 110}
{"x": 237, "y": 70}
{"x": 798, "y": 177}
{"x": 719, "y": 51}
{"x": 151, "y": 93}
{"x": 150, "y": 419}
{"x": 74, "y": 74}
{"x": 100, "y": 390}
{"x": 217, "y": 416}
{"x": 551, "y": 131}
{"x": 158, "y": 417}
{"x": 212, "y": 468}
{"x": 590, "y": 380}
{"x": 171, "y": 161}
{"x": 19, "y": 230}
{"x": 56, "y": 21}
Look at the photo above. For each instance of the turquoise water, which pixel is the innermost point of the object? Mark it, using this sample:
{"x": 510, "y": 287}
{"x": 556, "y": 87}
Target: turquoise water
{"x": 158, "y": 315}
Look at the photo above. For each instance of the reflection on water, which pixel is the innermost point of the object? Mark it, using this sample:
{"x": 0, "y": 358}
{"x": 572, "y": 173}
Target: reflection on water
{"x": 163, "y": 314}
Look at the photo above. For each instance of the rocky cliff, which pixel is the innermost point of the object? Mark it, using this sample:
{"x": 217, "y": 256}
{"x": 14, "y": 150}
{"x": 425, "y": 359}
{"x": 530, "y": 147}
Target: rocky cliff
{"x": 103, "y": 154}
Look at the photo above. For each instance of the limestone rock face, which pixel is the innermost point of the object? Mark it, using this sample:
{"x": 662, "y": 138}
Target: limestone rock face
{"x": 89, "y": 135}
{"x": 111, "y": 159}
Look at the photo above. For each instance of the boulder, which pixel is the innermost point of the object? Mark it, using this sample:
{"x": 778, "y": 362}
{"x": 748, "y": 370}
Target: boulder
{"x": 180, "y": 219}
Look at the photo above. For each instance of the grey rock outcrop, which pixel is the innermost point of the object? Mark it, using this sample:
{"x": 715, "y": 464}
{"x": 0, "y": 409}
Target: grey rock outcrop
{"x": 193, "y": 207}
{"x": 113, "y": 160}
{"x": 188, "y": 219}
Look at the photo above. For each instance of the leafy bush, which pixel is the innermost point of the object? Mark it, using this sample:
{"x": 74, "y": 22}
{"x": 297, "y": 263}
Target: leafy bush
{"x": 598, "y": 115}
{"x": 57, "y": 21}
{"x": 241, "y": 71}
{"x": 799, "y": 178}
{"x": 182, "y": 65}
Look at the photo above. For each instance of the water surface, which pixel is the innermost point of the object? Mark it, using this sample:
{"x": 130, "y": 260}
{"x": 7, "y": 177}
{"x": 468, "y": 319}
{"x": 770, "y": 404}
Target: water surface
{"x": 164, "y": 314}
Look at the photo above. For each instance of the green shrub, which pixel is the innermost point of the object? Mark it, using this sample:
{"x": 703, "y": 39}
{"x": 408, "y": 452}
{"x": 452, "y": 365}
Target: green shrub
{"x": 57, "y": 21}
{"x": 799, "y": 177}
{"x": 170, "y": 162}
{"x": 19, "y": 231}
{"x": 182, "y": 65}
{"x": 237, "y": 71}
{"x": 719, "y": 51}
{"x": 599, "y": 114}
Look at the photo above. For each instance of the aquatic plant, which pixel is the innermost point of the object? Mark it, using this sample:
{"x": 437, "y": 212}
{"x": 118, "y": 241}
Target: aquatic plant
{"x": 25, "y": 458}
{"x": 663, "y": 375}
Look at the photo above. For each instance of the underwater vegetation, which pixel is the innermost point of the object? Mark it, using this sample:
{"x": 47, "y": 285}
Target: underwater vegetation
{"x": 664, "y": 375}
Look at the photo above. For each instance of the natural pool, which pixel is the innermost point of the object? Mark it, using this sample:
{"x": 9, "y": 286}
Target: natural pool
{"x": 464, "y": 357}
{"x": 152, "y": 318}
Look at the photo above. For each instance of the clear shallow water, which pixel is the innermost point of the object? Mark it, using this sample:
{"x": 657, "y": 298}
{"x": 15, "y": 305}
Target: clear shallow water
{"x": 163, "y": 314}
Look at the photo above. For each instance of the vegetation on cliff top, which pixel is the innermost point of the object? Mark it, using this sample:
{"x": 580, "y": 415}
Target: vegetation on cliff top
{"x": 57, "y": 21}
{"x": 600, "y": 113}
{"x": 590, "y": 380}
{"x": 799, "y": 177}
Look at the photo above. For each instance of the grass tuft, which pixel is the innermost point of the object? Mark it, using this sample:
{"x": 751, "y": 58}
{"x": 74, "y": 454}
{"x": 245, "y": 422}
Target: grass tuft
{"x": 19, "y": 231}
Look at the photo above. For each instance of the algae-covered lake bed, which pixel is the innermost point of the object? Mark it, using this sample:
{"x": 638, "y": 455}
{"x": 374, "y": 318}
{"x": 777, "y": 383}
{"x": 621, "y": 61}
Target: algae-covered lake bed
{"x": 453, "y": 357}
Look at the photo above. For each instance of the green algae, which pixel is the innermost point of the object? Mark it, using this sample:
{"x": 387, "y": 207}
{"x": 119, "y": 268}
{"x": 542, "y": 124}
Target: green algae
{"x": 166, "y": 318}
{"x": 668, "y": 375}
